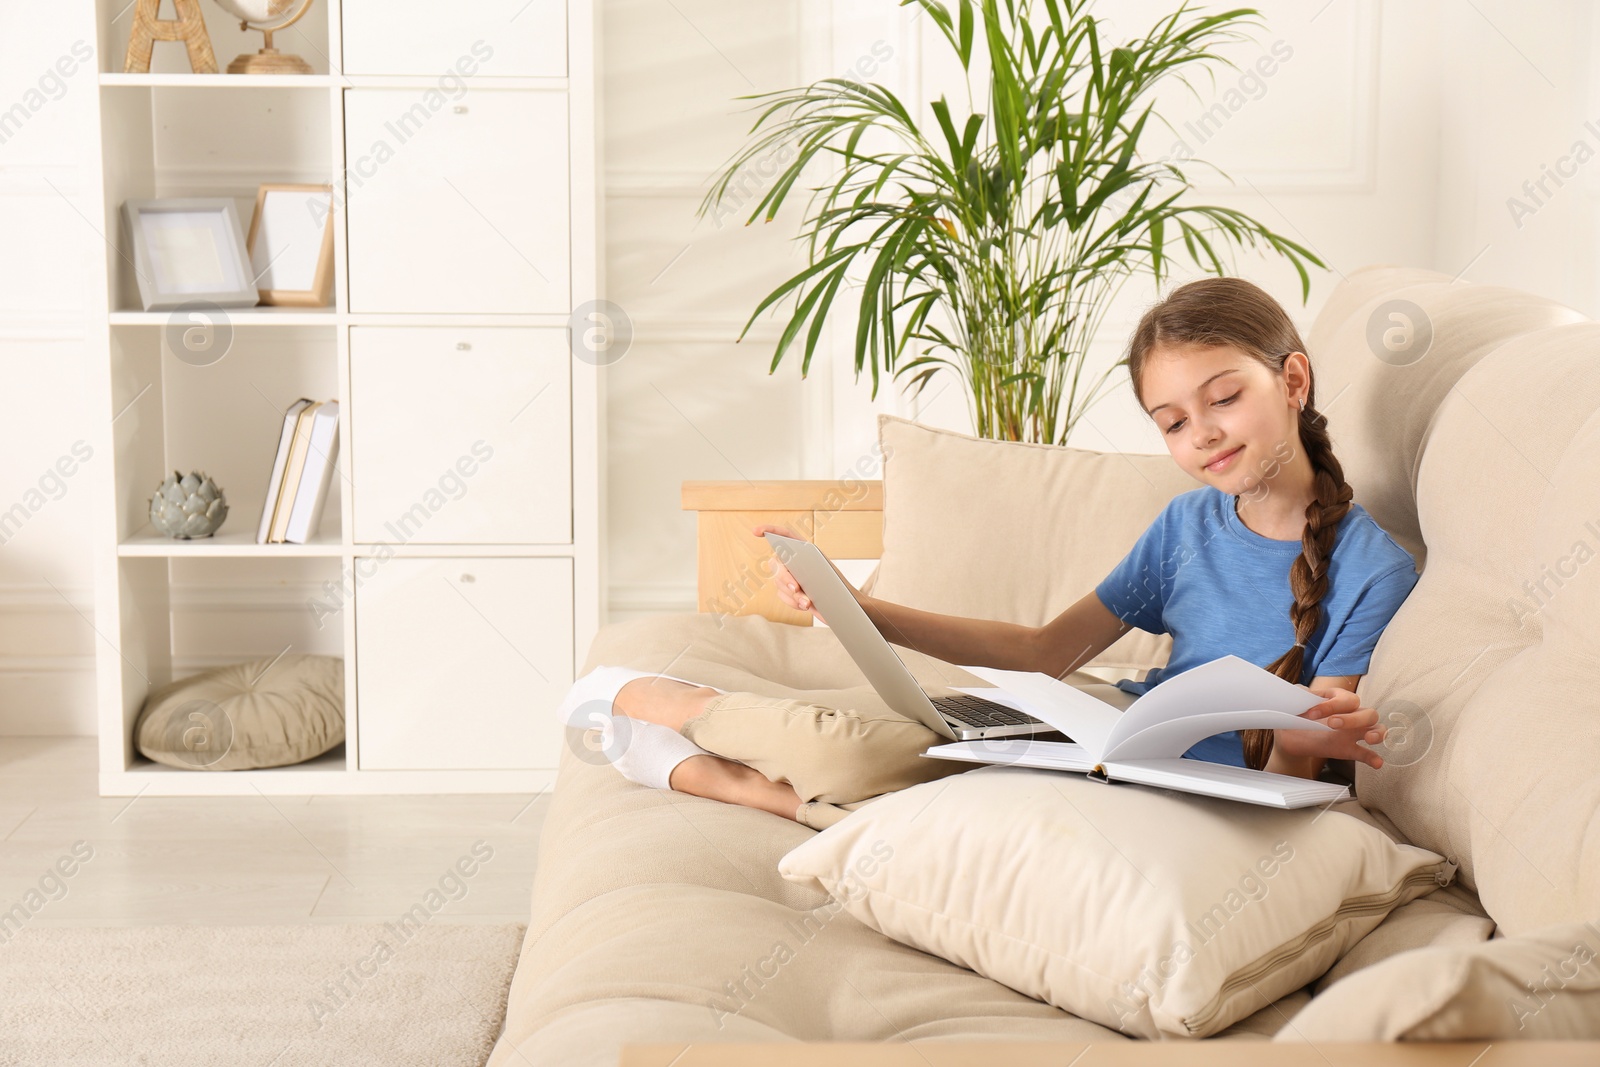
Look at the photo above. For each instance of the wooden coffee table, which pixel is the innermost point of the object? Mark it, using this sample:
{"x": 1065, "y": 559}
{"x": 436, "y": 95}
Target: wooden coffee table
{"x": 1128, "y": 1054}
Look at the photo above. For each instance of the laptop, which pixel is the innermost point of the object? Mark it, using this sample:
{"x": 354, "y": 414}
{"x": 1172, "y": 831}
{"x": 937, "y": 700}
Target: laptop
{"x": 961, "y": 717}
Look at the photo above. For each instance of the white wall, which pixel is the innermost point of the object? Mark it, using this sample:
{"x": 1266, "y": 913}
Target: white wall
{"x": 1392, "y": 132}
{"x": 47, "y": 248}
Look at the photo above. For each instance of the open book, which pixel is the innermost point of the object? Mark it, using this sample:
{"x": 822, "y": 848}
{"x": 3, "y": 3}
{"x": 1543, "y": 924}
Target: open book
{"x": 1145, "y": 743}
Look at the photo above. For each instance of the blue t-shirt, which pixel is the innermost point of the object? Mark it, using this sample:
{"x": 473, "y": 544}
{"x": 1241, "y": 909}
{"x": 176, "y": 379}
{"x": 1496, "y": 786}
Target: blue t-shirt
{"x": 1218, "y": 587}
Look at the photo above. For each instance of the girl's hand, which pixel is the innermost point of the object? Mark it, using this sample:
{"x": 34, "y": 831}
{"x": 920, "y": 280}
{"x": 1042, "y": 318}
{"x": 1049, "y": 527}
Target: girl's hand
{"x": 1351, "y": 725}
{"x": 787, "y": 585}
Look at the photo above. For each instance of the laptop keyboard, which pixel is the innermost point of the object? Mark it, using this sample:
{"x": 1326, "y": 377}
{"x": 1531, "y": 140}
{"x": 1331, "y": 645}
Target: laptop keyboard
{"x": 979, "y": 712}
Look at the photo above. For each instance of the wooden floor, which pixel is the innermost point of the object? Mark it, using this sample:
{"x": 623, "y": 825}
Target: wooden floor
{"x": 249, "y": 860}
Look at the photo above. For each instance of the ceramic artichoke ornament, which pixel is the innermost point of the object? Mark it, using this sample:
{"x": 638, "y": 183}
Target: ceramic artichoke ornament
{"x": 188, "y": 506}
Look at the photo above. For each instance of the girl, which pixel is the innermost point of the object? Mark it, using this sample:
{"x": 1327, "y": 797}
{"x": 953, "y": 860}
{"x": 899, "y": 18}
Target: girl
{"x": 1268, "y": 560}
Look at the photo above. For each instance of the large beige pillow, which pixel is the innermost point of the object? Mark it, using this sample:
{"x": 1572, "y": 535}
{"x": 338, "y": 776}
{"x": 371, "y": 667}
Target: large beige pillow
{"x": 1542, "y": 986}
{"x": 1020, "y": 532}
{"x": 1156, "y": 913}
{"x": 262, "y": 713}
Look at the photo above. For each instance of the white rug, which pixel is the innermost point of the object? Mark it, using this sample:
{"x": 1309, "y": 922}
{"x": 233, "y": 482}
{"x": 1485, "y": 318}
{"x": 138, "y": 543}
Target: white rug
{"x": 267, "y": 996}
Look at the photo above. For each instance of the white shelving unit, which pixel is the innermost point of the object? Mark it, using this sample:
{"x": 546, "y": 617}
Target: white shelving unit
{"x": 459, "y": 601}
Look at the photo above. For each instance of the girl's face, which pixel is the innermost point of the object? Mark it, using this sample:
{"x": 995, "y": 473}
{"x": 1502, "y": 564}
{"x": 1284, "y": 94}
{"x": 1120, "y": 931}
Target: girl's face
{"x": 1227, "y": 419}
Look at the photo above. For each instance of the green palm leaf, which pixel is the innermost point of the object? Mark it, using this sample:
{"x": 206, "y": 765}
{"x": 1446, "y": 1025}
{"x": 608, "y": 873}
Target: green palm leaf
{"x": 990, "y": 244}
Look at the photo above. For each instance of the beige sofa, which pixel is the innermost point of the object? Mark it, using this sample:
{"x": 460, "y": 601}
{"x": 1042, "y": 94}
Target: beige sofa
{"x": 651, "y": 910}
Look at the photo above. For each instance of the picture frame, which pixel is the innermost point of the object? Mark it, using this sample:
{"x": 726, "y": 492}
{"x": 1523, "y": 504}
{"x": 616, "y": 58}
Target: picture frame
{"x": 188, "y": 250}
{"x": 290, "y": 244}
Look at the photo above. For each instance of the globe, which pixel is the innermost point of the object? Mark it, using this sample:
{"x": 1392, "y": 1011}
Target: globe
{"x": 256, "y": 10}
{"x": 268, "y": 16}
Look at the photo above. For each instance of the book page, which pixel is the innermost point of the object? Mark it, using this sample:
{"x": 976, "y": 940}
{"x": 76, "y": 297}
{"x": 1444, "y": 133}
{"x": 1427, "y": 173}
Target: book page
{"x": 1087, "y": 720}
{"x": 1226, "y": 684}
{"x": 1176, "y": 736}
{"x": 1017, "y": 752}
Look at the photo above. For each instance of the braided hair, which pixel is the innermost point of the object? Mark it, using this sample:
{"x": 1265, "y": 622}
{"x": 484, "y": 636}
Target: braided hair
{"x": 1216, "y": 312}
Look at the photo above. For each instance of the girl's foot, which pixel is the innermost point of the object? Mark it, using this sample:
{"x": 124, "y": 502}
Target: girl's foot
{"x": 593, "y": 696}
{"x": 663, "y": 701}
{"x": 642, "y": 750}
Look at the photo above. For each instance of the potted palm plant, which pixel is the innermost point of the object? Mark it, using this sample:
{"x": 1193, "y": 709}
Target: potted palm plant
{"x": 991, "y": 242}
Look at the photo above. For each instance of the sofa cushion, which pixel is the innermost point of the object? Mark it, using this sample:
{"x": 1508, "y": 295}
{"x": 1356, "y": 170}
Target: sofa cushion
{"x": 660, "y": 916}
{"x": 1491, "y": 440}
{"x": 1451, "y": 916}
{"x": 1508, "y": 784}
{"x": 1020, "y": 532}
{"x": 1155, "y": 913}
{"x": 1540, "y": 986}
{"x": 1380, "y": 401}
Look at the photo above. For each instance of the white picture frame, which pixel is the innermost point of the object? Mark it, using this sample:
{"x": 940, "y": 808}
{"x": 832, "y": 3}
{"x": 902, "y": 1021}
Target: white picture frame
{"x": 188, "y": 250}
{"x": 290, "y": 244}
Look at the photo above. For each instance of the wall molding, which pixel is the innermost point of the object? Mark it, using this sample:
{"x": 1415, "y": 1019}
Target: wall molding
{"x": 665, "y": 329}
{"x": 241, "y": 183}
{"x": 44, "y": 327}
{"x": 635, "y": 183}
{"x": 38, "y": 596}
{"x": 29, "y": 179}
{"x": 639, "y": 598}
{"x": 65, "y": 663}
{"x": 255, "y": 599}
{"x": 26, "y": 181}
{"x": 77, "y": 602}
{"x": 1359, "y": 172}
{"x": 54, "y": 693}
{"x": 249, "y": 597}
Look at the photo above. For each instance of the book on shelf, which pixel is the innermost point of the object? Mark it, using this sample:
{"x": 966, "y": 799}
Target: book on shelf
{"x": 299, "y": 446}
{"x": 275, "y": 480}
{"x": 302, "y": 470}
{"x": 1144, "y": 744}
{"x": 305, "y": 514}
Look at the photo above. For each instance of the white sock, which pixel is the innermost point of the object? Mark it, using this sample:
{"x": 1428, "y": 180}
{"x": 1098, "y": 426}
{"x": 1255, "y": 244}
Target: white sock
{"x": 643, "y": 752}
{"x": 646, "y": 752}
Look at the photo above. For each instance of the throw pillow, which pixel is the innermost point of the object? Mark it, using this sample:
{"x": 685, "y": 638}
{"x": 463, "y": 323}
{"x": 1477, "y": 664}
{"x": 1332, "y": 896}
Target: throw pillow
{"x": 1539, "y": 986}
{"x": 1156, "y": 913}
{"x": 264, "y": 713}
{"x": 1004, "y": 530}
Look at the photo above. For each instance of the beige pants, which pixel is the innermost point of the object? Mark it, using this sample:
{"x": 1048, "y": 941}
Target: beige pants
{"x": 835, "y": 759}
